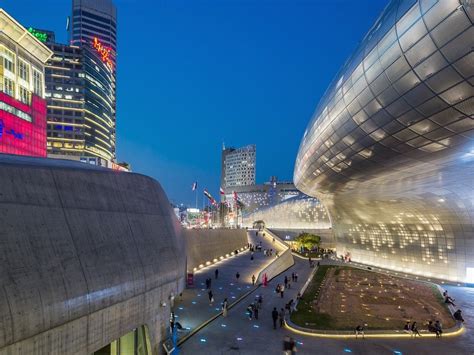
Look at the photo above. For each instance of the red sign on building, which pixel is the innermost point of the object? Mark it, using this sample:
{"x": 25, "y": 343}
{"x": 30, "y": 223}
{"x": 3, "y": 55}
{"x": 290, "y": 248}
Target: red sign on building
{"x": 22, "y": 126}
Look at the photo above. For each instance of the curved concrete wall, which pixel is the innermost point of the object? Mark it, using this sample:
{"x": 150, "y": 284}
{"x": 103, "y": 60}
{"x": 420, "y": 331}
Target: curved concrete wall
{"x": 280, "y": 264}
{"x": 389, "y": 150}
{"x": 203, "y": 245}
{"x": 86, "y": 256}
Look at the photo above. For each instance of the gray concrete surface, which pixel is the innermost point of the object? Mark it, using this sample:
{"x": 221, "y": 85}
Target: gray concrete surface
{"x": 86, "y": 256}
{"x": 206, "y": 245}
{"x": 242, "y": 336}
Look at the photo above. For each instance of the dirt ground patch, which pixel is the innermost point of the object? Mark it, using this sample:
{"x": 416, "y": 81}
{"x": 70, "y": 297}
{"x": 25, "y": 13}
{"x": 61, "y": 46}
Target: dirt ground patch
{"x": 351, "y": 296}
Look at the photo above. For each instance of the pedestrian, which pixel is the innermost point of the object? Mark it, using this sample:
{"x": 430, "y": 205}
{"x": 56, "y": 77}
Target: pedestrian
{"x": 293, "y": 276}
{"x": 286, "y": 281}
{"x": 298, "y": 297}
{"x": 253, "y": 280}
{"x": 292, "y": 346}
{"x": 211, "y": 297}
{"x": 274, "y": 317}
{"x": 207, "y": 284}
{"x": 286, "y": 345}
{"x": 249, "y": 311}
{"x": 224, "y": 307}
{"x": 359, "y": 330}
{"x": 282, "y": 289}
{"x": 281, "y": 317}
{"x": 210, "y": 280}
{"x": 172, "y": 322}
{"x": 237, "y": 275}
{"x": 216, "y": 273}
{"x": 439, "y": 329}
{"x": 289, "y": 285}
{"x": 255, "y": 311}
{"x": 277, "y": 289}
{"x": 414, "y": 330}
{"x": 449, "y": 300}
{"x": 251, "y": 255}
{"x": 260, "y": 301}
{"x": 407, "y": 328}
{"x": 310, "y": 261}
{"x": 458, "y": 316}
{"x": 296, "y": 277}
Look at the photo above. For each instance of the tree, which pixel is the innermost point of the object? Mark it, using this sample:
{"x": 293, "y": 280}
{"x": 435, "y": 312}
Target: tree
{"x": 307, "y": 240}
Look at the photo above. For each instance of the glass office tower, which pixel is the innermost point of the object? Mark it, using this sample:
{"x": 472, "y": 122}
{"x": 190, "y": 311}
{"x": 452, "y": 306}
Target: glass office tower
{"x": 93, "y": 28}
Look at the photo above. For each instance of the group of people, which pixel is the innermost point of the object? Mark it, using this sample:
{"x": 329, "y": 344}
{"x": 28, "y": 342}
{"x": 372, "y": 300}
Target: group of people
{"x": 435, "y": 328}
{"x": 449, "y": 300}
{"x": 411, "y": 329}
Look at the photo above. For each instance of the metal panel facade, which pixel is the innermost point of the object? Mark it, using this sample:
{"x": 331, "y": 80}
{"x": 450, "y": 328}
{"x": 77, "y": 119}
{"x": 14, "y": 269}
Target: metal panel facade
{"x": 390, "y": 148}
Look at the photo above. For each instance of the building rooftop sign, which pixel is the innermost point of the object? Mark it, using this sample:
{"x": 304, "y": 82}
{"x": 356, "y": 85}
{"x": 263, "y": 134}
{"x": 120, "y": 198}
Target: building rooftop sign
{"x": 104, "y": 52}
{"x": 41, "y": 36}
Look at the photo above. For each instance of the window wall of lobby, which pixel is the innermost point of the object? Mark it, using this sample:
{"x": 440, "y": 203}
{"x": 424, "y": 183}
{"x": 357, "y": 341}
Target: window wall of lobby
{"x": 135, "y": 342}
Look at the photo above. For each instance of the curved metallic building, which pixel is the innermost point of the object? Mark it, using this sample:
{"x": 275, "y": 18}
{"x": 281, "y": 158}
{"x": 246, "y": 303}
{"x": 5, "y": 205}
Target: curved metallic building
{"x": 300, "y": 212}
{"x": 390, "y": 149}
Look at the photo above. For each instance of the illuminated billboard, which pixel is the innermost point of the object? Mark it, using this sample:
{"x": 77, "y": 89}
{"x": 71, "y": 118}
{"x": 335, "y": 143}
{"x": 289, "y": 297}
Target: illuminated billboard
{"x": 22, "y": 126}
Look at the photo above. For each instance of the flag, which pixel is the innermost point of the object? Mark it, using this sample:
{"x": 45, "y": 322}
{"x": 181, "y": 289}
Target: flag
{"x": 208, "y": 195}
{"x": 236, "y": 198}
{"x": 195, "y": 186}
{"x": 221, "y": 190}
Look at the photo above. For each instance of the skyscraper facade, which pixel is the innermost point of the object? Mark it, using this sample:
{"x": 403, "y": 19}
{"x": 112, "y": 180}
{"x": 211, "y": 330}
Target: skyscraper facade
{"x": 22, "y": 104}
{"x": 93, "y": 29}
{"x": 238, "y": 167}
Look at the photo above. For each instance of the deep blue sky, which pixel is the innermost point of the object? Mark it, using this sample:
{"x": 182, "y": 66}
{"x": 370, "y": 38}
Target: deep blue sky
{"x": 192, "y": 74}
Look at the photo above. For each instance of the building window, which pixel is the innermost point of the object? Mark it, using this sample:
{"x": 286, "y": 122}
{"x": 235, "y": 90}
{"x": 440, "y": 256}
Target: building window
{"x": 8, "y": 87}
{"x": 37, "y": 83}
{"x": 23, "y": 95}
{"x": 23, "y": 70}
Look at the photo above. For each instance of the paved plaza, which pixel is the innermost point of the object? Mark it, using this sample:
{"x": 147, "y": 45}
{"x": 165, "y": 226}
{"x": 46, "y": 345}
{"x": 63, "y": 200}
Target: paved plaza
{"x": 236, "y": 334}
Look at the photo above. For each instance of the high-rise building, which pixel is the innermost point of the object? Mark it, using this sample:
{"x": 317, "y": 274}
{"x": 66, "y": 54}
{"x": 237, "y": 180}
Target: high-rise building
{"x": 238, "y": 166}
{"x": 22, "y": 104}
{"x": 80, "y": 86}
{"x": 94, "y": 30}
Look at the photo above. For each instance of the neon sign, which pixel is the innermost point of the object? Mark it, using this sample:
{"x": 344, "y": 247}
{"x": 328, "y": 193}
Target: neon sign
{"x": 104, "y": 52}
{"x": 43, "y": 37}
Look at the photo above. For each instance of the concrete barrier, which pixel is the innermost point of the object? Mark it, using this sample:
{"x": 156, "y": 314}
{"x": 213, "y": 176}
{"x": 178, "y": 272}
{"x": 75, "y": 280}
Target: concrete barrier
{"x": 86, "y": 256}
{"x": 280, "y": 264}
{"x": 206, "y": 246}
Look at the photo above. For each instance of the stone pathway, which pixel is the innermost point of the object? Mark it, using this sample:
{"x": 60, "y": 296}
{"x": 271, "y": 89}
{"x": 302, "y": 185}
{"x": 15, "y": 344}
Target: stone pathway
{"x": 194, "y": 308}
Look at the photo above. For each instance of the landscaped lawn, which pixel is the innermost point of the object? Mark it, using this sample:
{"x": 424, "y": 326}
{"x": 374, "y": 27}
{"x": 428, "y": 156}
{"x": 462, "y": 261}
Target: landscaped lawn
{"x": 352, "y": 296}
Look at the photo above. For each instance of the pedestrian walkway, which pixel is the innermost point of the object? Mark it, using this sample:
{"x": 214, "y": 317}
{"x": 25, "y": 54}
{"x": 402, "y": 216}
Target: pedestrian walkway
{"x": 193, "y": 308}
{"x": 236, "y": 334}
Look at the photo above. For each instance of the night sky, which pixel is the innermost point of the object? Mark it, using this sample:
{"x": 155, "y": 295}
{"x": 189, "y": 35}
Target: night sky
{"x": 194, "y": 74}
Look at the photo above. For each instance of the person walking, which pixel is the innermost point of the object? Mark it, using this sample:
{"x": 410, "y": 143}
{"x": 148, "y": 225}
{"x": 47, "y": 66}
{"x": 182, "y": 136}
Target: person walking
{"x": 207, "y": 283}
{"x": 292, "y": 346}
{"x": 211, "y": 297}
{"x": 282, "y": 289}
{"x": 274, "y": 317}
{"x": 260, "y": 301}
{"x": 249, "y": 311}
{"x": 255, "y": 311}
{"x": 281, "y": 317}
{"x": 286, "y": 281}
{"x": 224, "y": 307}
{"x": 293, "y": 276}
{"x": 296, "y": 277}
{"x": 414, "y": 330}
{"x": 237, "y": 275}
{"x": 253, "y": 280}
{"x": 216, "y": 273}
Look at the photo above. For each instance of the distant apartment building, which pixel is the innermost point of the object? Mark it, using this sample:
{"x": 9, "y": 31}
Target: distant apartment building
{"x": 22, "y": 103}
{"x": 238, "y": 167}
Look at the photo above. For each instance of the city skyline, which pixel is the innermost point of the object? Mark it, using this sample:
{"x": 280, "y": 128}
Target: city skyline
{"x": 186, "y": 90}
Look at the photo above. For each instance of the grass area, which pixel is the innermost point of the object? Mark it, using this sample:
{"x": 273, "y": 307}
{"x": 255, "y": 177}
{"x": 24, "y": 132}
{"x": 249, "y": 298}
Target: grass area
{"x": 305, "y": 315}
{"x": 350, "y": 296}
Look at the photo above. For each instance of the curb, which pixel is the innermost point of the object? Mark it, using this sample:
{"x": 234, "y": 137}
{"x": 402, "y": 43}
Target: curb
{"x": 454, "y": 331}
